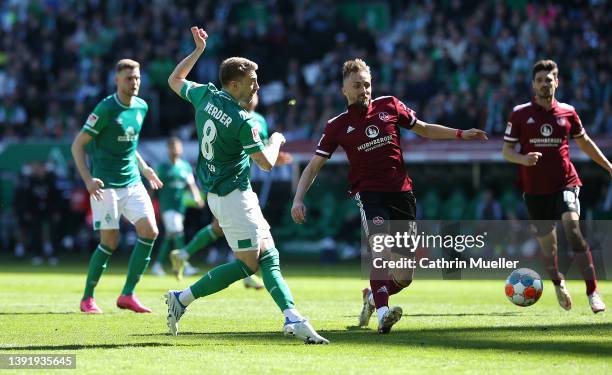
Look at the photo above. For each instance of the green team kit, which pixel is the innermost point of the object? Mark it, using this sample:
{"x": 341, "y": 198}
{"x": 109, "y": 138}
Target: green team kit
{"x": 227, "y": 135}
{"x": 115, "y": 128}
{"x": 175, "y": 177}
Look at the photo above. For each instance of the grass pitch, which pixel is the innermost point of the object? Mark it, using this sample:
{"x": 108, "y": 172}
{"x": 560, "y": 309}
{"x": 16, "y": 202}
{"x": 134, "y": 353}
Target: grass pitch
{"x": 459, "y": 326}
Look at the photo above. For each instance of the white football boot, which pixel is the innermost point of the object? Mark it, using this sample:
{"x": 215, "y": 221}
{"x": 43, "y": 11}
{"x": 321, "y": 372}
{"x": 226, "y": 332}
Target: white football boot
{"x": 175, "y": 310}
{"x": 304, "y": 331}
{"x": 563, "y": 296}
{"x": 597, "y": 304}
{"x": 392, "y": 316}
{"x": 367, "y": 310}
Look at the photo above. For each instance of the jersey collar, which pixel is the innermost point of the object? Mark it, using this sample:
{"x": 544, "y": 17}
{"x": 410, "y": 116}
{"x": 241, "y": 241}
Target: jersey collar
{"x": 121, "y": 104}
{"x": 229, "y": 96}
{"x": 553, "y": 107}
{"x": 355, "y": 109}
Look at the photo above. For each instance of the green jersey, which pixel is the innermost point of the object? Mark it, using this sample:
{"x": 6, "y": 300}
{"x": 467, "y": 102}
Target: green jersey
{"x": 227, "y": 135}
{"x": 176, "y": 178}
{"x": 262, "y": 126}
{"x": 115, "y": 128}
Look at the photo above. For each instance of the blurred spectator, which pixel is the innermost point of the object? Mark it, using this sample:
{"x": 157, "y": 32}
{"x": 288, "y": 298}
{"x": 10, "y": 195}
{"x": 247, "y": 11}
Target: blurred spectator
{"x": 36, "y": 208}
{"x": 461, "y": 60}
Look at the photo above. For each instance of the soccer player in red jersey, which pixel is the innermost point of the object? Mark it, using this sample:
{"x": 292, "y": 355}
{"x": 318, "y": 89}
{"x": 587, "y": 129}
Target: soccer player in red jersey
{"x": 548, "y": 178}
{"x": 369, "y": 134}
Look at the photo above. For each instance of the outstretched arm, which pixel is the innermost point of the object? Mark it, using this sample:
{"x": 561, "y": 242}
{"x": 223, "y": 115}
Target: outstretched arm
{"x": 589, "y": 147}
{"x": 183, "y": 68}
{"x": 436, "y": 131}
{"x": 298, "y": 211}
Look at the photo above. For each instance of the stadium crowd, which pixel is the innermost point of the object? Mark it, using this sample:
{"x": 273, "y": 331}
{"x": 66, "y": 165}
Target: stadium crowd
{"x": 463, "y": 63}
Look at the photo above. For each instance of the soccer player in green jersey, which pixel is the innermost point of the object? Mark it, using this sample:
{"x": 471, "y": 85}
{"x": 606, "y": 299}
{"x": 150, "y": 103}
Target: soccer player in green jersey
{"x": 213, "y": 231}
{"x": 228, "y": 137}
{"x": 114, "y": 183}
{"x": 176, "y": 175}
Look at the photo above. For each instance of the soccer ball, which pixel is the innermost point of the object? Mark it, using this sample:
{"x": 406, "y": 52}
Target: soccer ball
{"x": 524, "y": 287}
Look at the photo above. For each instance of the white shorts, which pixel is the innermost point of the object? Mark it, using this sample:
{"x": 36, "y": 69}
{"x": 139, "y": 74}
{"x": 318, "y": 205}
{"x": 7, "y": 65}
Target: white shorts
{"x": 173, "y": 221}
{"x": 133, "y": 202}
{"x": 241, "y": 219}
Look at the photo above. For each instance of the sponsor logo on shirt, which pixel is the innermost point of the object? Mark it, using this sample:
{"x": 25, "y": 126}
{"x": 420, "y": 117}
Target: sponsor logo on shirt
{"x": 129, "y": 135}
{"x": 372, "y": 131}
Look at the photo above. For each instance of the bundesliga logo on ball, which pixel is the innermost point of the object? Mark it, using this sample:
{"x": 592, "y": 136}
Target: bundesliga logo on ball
{"x": 524, "y": 287}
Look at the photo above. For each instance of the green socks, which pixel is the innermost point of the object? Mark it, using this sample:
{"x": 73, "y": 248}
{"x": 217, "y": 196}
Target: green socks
{"x": 273, "y": 279}
{"x": 202, "y": 239}
{"x": 139, "y": 260}
{"x": 220, "y": 278}
{"x": 164, "y": 249}
{"x": 179, "y": 241}
{"x": 97, "y": 265}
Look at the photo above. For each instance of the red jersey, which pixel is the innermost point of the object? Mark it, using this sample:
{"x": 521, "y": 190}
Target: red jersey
{"x": 546, "y": 131}
{"x": 371, "y": 140}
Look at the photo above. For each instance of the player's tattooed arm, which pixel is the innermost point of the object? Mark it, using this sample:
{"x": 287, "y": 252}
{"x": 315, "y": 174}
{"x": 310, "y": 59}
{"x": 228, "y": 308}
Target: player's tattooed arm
{"x": 183, "y": 68}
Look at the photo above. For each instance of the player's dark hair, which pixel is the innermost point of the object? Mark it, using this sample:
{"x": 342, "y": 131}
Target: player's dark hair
{"x": 546, "y": 66}
{"x": 126, "y": 64}
{"x": 354, "y": 66}
{"x": 235, "y": 68}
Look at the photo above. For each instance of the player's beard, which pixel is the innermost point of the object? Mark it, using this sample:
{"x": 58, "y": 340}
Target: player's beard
{"x": 363, "y": 102}
{"x": 546, "y": 93}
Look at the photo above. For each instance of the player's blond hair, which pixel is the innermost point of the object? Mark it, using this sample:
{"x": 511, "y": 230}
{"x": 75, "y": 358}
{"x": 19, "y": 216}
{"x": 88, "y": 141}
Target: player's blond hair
{"x": 235, "y": 68}
{"x": 545, "y": 66}
{"x": 126, "y": 64}
{"x": 354, "y": 66}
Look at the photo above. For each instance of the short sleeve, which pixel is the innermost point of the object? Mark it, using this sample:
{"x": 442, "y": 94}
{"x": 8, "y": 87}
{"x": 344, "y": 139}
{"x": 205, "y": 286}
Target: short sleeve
{"x": 249, "y": 137}
{"x": 328, "y": 142}
{"x": 576, "y": 129}
{"x": 406, "y": 117}
{"x": 513, "y": 129}
{"x": 96, "y": 121}
{"x": 193, "y": 92}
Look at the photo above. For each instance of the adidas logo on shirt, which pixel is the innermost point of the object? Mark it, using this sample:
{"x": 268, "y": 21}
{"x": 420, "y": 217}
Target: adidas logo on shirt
{"x": 530, "y": 120}
{"x": 349, "y": 129}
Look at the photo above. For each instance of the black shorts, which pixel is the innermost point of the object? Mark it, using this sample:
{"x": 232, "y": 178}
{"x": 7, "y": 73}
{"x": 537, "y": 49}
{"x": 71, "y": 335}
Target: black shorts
{"x": 544, "y": 210}
{"x": 386, "y": 212}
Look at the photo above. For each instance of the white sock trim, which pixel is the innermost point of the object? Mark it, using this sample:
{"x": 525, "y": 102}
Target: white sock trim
{"x": 381, "y": 312}
{"x": 293, "y": 315}
{"x": 186, "y": 297}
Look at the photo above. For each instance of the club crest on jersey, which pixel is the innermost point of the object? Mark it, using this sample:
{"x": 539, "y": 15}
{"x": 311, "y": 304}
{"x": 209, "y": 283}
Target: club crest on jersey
{"x": 372, "y": 131}
{"x": 546, "y": 130}
{"x": 561, "y": 121}
{"x": 378, "y": 220}
{"x": 384, "y": 116}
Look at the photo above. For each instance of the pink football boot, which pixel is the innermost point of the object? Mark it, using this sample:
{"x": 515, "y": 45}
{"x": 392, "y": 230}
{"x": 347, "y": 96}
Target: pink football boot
{"x": 130, "y": 302}
{"x": 88, "y": 306}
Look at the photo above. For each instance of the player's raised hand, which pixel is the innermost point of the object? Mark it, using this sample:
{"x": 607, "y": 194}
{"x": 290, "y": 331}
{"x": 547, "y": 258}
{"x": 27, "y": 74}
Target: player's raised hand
{"x": 474, "y": 134}
{"x": 298, "y": 212}
{"x": 199, "y": 37}
{"x": 277, "y": 137}
{"x": 94, "y": 187}
{"x": 532, "y": 158}
{"x": 151, "y": 176}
